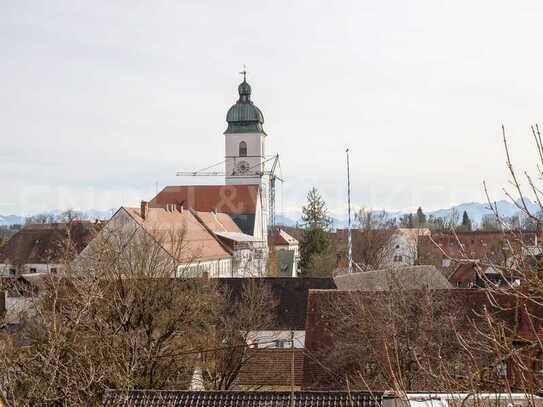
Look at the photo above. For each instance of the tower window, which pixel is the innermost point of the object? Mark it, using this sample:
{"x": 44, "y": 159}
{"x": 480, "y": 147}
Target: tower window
{"x": 243, "y": 149}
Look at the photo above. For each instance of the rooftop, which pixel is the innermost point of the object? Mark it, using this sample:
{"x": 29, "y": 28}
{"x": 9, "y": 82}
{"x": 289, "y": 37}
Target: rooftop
{"x": 244, "y": 116}
{"x": 197, "y": 241}
{"x": 411, "y": 277}
{"x": 238, "y": 201}
{"x": 178, "y": 398}
{"x": 47, "y": 243}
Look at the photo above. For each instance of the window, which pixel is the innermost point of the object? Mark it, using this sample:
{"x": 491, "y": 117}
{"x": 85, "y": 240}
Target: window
{"x": 53, "y": 270}
{"x": 398, "y": 259}
{"x": 12, "y": 272}
{"x": 32, "y": 270}
{"x": 280, "y": 343}
{"x": 243, "y": 149}
{"x": 501, "y": 369}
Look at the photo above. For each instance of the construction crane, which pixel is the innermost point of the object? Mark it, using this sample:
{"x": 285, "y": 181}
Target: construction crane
{"x": 272, "y": 178}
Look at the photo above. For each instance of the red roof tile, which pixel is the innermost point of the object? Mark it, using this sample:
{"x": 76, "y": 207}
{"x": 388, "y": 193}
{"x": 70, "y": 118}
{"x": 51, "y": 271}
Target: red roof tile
{"x": 231, "y": 199}
{"x": 282, "y": 238}
{"x": 198, "y": 243}
{"x": 272, "y": 367}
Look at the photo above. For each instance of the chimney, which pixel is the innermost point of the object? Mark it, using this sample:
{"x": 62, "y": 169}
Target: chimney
{"x": 144, "y": 209}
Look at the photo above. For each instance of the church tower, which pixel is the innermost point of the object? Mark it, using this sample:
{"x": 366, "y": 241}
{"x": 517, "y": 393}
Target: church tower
{"x": 245, "y": 137}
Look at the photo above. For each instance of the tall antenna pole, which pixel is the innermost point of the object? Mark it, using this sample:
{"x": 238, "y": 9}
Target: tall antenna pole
{"x": 349, "y": 236}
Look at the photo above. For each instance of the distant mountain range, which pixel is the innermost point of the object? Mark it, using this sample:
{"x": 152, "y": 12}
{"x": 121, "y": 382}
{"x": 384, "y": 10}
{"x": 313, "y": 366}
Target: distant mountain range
{"x": 475, "y": 211}
{"x": 90, "y": 214}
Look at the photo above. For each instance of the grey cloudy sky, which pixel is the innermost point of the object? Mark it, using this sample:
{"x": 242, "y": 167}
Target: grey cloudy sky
{"x": 102, "y": 99}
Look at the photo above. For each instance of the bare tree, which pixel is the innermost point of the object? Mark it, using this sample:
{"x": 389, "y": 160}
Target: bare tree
{"x": 228, "y": 344}
{"x": 457, "y": 340}
{"x": 373, "y": 239}
{"x": 117, "y": 319}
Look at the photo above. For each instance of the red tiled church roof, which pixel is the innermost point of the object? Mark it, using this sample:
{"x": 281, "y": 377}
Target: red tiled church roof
{"x": 231, "y": 199}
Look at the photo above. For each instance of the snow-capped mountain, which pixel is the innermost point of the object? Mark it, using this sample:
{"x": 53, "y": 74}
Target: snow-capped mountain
{"x": 7, "y": 220}
{"x": 475, "y": 210}
{"x": 89, "y": 214}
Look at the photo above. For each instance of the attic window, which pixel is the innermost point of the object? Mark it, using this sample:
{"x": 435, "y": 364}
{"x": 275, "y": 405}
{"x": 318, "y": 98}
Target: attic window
{"x": 243, "y": 149}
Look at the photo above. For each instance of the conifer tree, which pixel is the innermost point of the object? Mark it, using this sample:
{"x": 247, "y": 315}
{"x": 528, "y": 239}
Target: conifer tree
{"x": 421, "y": 218}
{"x": 466, "y": 222}
{"x": 316, "y": 249}
{"x": 407, "y": 221}
{"x": 315, "y": 213}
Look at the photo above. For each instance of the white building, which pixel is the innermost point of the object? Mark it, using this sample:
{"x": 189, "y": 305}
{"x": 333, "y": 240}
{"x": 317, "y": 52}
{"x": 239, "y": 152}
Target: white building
{"x": 287, "y": 249}
{"x": 404, "y": 245}
{"x": 188, "y": 242}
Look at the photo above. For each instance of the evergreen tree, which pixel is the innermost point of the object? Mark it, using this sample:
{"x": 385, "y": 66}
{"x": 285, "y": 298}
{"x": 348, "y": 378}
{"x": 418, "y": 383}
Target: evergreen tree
{"x": 315, "y": 213}
{"x": 466, "y": 222}
{"x": 421, "y": 218}
{"x": 407, "y": 221}
{"x": 316, "y": 247}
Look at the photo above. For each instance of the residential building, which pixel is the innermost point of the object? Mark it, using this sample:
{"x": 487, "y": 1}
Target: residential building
{"x": 404, "y": 245}
{"x": 442, "y": 248}
{"x": 475, "y": 274}
{"x": 393, "y": 278}
{"x": 287, "y": 251}
{"x": 45, "y": 248}
{"x": 275, "y": 359}
{"x": 290, "y": 308}
{"x": 456, "y": 313}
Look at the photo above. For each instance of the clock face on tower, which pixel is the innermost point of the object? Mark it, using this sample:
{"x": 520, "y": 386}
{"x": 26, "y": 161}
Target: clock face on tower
{"x": 243, "y": 167}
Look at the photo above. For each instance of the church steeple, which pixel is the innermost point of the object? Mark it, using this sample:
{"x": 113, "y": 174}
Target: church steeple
{"x": 244, "y": 116}
{"x": 244, "y": 90}
{"x": 244, "y": 139}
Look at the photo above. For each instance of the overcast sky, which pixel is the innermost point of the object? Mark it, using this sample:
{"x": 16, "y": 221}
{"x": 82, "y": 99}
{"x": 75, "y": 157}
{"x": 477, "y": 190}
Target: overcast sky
{"x": 104, "y": 100}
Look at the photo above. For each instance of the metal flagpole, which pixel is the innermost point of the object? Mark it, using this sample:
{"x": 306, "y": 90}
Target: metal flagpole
{"x": 349, "y": 237}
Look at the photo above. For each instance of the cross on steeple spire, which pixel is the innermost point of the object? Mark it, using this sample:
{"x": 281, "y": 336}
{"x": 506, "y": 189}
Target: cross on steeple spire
{"x": 244, "y": 73}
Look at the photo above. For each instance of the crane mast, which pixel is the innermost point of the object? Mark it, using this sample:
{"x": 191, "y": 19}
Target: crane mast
{"x": 271, "y": 175}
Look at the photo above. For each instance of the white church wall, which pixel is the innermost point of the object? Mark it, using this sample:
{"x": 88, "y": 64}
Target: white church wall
{"x": 220, "y": 268}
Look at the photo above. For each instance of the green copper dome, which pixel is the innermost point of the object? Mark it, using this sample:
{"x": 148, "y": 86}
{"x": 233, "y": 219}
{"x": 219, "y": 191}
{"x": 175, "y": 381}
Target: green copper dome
{"x": 244, "y": 116}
